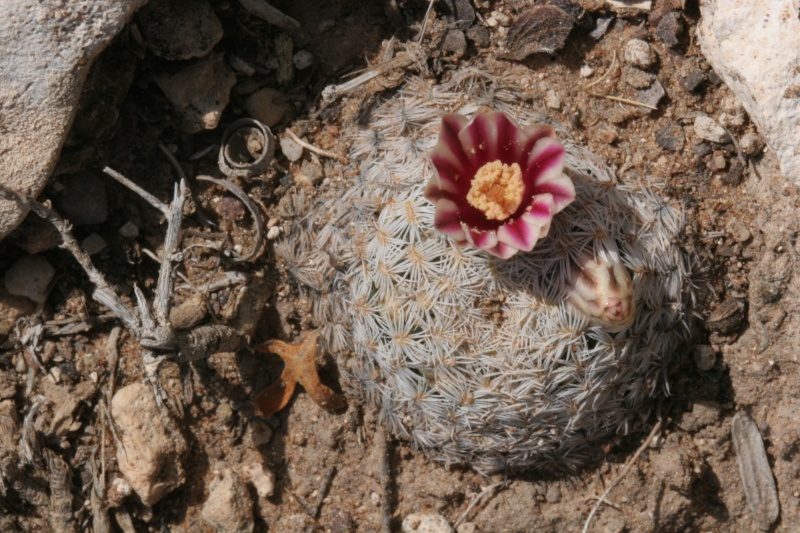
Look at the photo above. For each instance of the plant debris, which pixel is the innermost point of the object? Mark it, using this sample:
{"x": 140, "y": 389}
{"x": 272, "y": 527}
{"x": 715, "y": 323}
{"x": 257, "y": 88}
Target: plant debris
{"x": 538, "y": 29}
{"x": 301, "y": 367}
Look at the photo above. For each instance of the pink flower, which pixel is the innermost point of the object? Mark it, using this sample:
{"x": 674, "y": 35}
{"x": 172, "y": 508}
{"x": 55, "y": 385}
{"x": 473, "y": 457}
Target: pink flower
{"x": 496, "y": 185}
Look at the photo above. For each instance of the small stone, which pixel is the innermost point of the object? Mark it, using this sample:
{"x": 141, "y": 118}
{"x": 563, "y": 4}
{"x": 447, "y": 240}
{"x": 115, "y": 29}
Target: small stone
{"x": 93, "y": 244}
{"x": 707, "y": 129}
{"x": 693, "y": 80}
{"x": 262, "y": 479}
{"x": 669, "y": 29}
{"x": 312, "y": 171}
{"x": 719, "y": 161}
{"x": 37, "y": 235}
{"x": 701, "y": 149}
{"x": 12, "y": 308}
{"x": 552, "y": 100}
{"x": 260, "y": 433}
{"x": 553, "y": 494}
{"x": 638, "y": 79}
{"x": 268, "y": 106}
{"x": 653, "y": 95}
{"x": 727, "y": 317}
{"x": 704, "y": 357}
{"x": 601, "y": 27}
{"x": 467, "y": 527}
{"x": 478, "y": 35}
{"x": 303, "y": 59}
{"x": 30, "y": 276}
{"x": 228, "y": 507}
{"x": 273, "y": 233}
{"x": 751, "y": 144}
{"x": 199, "y": 91}
{"x": 637, "y": 52}
{"x": 607, "y": 136}
{"x": 152, "y": 445}
{"x": 179, "y": 29}
{"x": 586, "y": 71}
{"x": 670, "y": 137}
{"x": 129, "y": 230}
{"x": 84, "y": 200}
{"x": 542, "y": 28}
{"x": 426, "y": 523}
{"x": 455, "y": 42}
{"x": 291, "y": 149}
{"x": 738, "y": 230}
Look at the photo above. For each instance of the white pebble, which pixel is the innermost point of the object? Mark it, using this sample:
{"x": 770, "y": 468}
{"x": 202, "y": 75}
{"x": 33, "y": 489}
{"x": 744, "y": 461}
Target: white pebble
{"x": 426, "y": 523}
{"x": 129, "y": 230}
{"x": 551, "y": 100}
{"x": 291, "y": 149}
{"x": 586, "y": 71}
{"x": 637, "y": 53}
{"x": 273, "y": 233}
{"x": 374, "y": 498}
{"x": 303, "y": 59}
{"x": 707, "y": 129}
{"x": 262, "y": 479}
{"x": 31, "y": 277}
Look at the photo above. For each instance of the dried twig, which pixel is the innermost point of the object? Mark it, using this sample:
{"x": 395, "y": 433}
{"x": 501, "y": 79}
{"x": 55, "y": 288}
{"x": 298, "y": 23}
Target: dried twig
{"x": 622, "y": 474}
{"x": 323, "y": 489}
{"x": 265, "y": 11}
{"x": 614, "y": 98}
{"x": 310, "y": 147}
{"x": 484, "y": 495}
{"x": 402, "y": 60}
{"x": 113, "y": 356}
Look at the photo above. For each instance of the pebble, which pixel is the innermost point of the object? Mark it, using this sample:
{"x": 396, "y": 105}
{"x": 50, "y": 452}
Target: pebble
{"x": 692, "y": 81}
{"x": 606, "y": 136}
{"x": 707, "y": 129}
{"x": 467, "y": 527}
{"x": 553, "y": 494}
{"x": 228, "y": 507}
{"x": 260, "y": 433}
{"x": 152, "y": 445}
{"x": 303, "y": 59}
{"x": 30, "y": 276}
{"x": 262, "y": 479}
{"x": 669, "y": 29}
{"x": 291, "y": 149}
{"x": 12, "y": 308}
{"x": 129, "y": 230}
{"x": 84, "y": 199}
{"x": 478, "y": 35}
{"x": 426, "y": 523}
{"x": 199, "y": 91}
{"x": 701, "y": 149}
{"x": 653, "y": 95}
{"x": 93, "y": 244}
{"x": 374, "y": 498}
{"x": 552, "y": 100}
{"x": 638, "y": 79}
{"x": 719, "y": 161}
{"x": 703, "y": 414}
{"x": 670, "y": 137}
{"x": 738, "y": 230}
{"x": 179, "y": 29}
{"x": 273, "y": 232}
{"x": 601, "y": 28}
{"x": 751, "y": 144}
{"x": 586, "y": 71}
{"x": 455, "y": 42}
{"x": 704, "y": 357}
{"x": 637, "y": 52}
{"x": 268, "y": 106}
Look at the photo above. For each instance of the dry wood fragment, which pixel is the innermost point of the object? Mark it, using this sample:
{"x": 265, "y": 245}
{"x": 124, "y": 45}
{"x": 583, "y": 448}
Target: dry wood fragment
{"x": 301, "y": 367}
{"x": 757, "y": 479}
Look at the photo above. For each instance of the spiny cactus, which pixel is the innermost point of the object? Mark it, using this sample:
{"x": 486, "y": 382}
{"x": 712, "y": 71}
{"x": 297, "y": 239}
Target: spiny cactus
{"x": 499, "y": 364}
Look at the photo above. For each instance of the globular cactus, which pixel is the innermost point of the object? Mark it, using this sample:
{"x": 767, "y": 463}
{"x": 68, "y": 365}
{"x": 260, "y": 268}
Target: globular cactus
{"x": 480, "y": 356}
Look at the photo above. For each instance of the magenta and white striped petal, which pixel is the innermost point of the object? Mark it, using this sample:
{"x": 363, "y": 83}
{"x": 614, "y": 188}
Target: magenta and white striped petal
{"x": 464, "y": 147}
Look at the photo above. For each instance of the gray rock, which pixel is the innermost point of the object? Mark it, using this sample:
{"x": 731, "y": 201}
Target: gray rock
{"x": 45, "y": 55}
{"x": 669, "y": 29}
{"x": 478, "y": 35}
{"x": 704, "y": 357}
{"x": 707, "y": 129}
{"x": 752, "y": 45}
{"x": 93, "y": 244}
{"x": 638, "y": 79}
{"x": 152, "y": 448}
{"x": 229, "y": 507}
{"x": 455, "y": 42}
{"x": 31, "y": 276}
{"x": 637, "y": 53}
{"x": 653, "y": 95}
{"x": 670, "y": 137}
{"x": 179, "y": 29}
{"x": 199, "y": 91}
{"x": 303, "y": 59}
{"x": 701, "y": 415}
{"x": 84, "y": 199}
{"x": 692, "y": 81}
{"x": 601, "y": 27}
{"x": 751, "y": 144}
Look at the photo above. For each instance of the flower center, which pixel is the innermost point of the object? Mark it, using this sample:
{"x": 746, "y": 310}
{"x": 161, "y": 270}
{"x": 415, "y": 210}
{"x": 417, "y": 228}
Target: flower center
{"x": 497, "y": 190}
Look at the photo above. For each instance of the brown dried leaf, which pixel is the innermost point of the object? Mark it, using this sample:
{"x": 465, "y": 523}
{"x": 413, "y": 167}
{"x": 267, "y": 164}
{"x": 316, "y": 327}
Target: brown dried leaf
{"x": 538, "y": 29}
{"x": 301, "y": 367}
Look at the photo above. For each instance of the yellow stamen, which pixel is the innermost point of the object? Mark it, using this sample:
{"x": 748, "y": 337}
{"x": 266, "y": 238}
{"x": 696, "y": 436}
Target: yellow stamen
{"x": 497, "y": 190}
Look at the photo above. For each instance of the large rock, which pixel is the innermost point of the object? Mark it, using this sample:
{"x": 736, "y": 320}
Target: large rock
{"x": 152, "y": 448}
{"x": 46, "y": 50}
{"x": 753, "y": 46}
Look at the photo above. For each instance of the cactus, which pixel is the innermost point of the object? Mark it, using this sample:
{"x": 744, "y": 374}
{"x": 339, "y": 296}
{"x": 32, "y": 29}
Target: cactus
{"x": 533, "y": 361}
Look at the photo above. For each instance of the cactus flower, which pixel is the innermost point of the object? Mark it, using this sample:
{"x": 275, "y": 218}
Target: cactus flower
{"x": 497, "y": 185}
